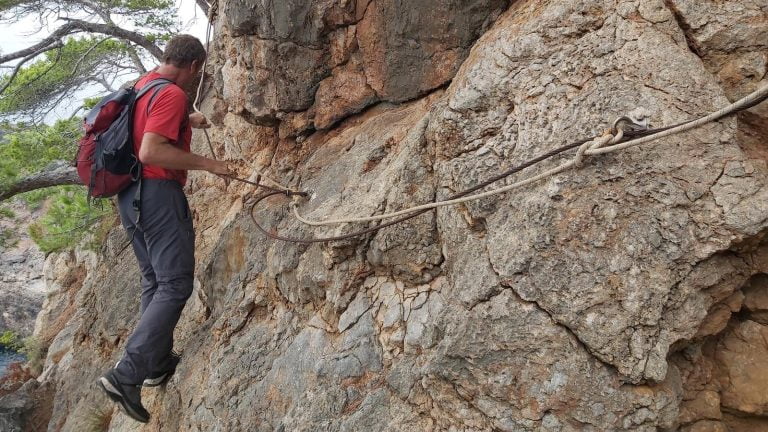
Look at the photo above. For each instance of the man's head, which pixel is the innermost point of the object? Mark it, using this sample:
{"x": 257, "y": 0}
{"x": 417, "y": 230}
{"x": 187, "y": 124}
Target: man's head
{"x": 185, "y": 54}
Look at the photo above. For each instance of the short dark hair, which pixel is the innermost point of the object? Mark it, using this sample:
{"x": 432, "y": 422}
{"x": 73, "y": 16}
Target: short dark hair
{"x": 182, "y": 50}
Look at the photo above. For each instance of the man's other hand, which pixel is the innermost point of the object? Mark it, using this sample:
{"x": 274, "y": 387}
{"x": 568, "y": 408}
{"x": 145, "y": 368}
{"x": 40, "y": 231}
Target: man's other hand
{"x": 220, "y": 168}
{"x": 198, "y": 121}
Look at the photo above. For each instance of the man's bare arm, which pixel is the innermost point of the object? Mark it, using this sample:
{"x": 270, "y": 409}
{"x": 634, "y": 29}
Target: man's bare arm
{"x": 157, "y": 150}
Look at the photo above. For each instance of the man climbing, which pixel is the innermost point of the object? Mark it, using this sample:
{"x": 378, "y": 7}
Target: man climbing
{"x": 161, "y": 230}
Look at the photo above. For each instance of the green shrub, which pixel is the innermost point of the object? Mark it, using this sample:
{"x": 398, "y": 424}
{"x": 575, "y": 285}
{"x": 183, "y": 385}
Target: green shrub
{"x": 7, "y": 236}
{"x": 35, "y": 352}
{"x": 7, "y": 213}
{"x": 28, "y": 149}
{"x": 10, "y": 340}
{"x": 68, "y": 219}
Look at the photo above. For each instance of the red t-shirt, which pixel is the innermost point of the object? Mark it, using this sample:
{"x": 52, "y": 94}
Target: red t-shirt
{"x": 167, "y": 117}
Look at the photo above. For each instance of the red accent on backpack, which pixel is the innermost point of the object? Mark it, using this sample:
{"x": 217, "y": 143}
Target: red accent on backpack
{"x": 101, "y": 184}
{"x": 106, "y": 162}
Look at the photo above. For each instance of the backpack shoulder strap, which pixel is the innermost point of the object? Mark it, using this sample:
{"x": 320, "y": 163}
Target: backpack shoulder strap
{"x": 154, "y": 95}
{"x": 162, "y": 82}
{"x": 158, "y": 84}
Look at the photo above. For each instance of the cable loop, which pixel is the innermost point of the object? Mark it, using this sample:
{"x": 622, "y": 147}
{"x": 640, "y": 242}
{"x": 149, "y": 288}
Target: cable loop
{"x": 598, "y": 146}
{"x": 615, "y": 139}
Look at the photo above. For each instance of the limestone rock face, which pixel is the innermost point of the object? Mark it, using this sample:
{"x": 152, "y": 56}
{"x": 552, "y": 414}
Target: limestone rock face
{"x": 412, "y": 47}
{"x": 745, "y": 380}
{"x": 21, "y": 272}
{"x": 333, "y": 58}
{"x": 628, "y": 294}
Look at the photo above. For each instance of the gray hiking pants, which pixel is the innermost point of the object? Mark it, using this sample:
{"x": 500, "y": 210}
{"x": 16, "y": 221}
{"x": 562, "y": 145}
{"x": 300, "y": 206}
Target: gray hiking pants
{"x": 164, "y": 244}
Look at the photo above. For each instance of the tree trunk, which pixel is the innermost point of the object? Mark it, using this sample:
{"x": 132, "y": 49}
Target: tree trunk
{"x": 74, "y": 26}
{"x": 57, "y": 174}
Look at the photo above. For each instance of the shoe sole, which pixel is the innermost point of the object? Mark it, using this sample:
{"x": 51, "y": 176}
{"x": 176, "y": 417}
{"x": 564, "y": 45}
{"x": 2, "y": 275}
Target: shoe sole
{"x": 110, "y": 390}
{"x": 154, "y": 382}
{"x": 115, "y": 395}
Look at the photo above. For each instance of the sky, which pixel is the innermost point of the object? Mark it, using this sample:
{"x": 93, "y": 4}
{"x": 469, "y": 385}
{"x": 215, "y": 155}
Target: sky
{"x": 20, "y": 35}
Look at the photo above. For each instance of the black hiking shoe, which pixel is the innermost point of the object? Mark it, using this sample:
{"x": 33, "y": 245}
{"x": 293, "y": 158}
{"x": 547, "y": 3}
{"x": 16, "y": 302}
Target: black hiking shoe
{"x": 160, "y": 378}
{"x": 128, "y": 396}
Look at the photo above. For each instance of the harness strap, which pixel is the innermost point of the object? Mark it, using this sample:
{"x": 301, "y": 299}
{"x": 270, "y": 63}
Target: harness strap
{"x": 136, "y": 203}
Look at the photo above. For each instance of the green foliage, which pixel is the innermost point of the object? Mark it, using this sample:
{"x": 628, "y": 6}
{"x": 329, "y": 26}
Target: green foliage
{"x": 28, "y": 149}
{"x": 57, "y": 75}
{"x": 11, "y": 341}
{"x": 38, "y": 85}
{"x": 89, "y": 103}
{"x": 7, "y": 237}
{"x": 25, "y": 150}
{"x": 35, "y": 352}
{"x": 30, "y": 347}
{"x": 68, "y": 219}
{"x": 9, "y": 4}
{"x": 7, "y": 213}
{"x": 140, "y": 8}
{"x": 100, "y": 230}
{"x": 136, "y": 12}
{"x": 35, "y": 199}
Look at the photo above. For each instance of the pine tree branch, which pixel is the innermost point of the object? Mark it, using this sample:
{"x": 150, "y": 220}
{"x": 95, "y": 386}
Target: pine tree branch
{"x": 132, "y": 53}
{"x": 104, "y": 83}
{"x": 56, "y": 174}
{"x": 16, "y": 70}
{"x": 74, "y": 113}
{"x": 65, "y": 94}
{"x": 46, "y": 44}
{"x": 118, "y": 32}
{"x": 136, "y": 59}
{"x": 84, "y": 56}
{"x": 75, "y": 26}
{"x": 52, "y": 65}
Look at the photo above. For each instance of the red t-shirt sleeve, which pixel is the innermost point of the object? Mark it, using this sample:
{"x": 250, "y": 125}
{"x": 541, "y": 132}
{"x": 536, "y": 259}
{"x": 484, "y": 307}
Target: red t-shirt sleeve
{"x": 167, "y": 113}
